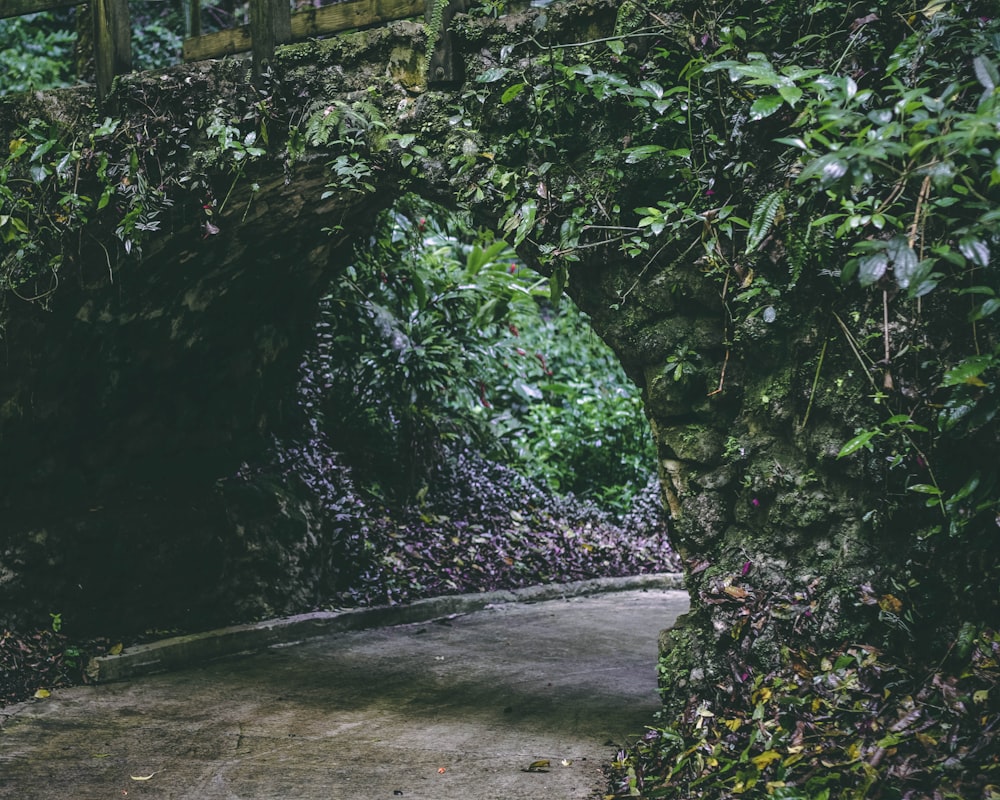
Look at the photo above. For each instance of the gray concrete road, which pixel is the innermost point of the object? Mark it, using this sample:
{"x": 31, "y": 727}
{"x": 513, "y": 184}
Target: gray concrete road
{"x": 454, "y": 709}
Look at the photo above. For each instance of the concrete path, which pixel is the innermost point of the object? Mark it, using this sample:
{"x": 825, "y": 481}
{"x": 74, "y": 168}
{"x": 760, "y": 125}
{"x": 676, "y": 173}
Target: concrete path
{"x": 454, "y": 709}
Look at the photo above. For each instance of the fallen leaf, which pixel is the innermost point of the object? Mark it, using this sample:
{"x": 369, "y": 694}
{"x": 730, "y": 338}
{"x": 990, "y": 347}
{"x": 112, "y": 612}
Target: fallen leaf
{"x": 116, "y": 649}
{"x": 890, "y": 604}
{"x": 698, "y": 566}
{"x": 142, "y": 777}
{"x": 766, "y": 758}
{"x": 41, "y": 694}
{"x": 565, "y": 762}
{"x": 535, "y": 766}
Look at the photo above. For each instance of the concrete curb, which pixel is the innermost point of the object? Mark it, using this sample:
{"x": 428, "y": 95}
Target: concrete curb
{"x": 182, "y": 651}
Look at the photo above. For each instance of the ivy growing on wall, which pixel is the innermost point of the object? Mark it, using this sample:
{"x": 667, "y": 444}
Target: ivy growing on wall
{"x": 844, "y": 151}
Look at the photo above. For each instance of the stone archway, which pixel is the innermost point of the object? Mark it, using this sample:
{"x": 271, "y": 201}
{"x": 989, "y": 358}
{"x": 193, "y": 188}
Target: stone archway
{"x": 218, "y": 313}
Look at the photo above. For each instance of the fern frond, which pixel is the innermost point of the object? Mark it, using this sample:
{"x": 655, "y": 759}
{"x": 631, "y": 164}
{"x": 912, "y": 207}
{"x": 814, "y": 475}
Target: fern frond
{"x": 763, "y": 219}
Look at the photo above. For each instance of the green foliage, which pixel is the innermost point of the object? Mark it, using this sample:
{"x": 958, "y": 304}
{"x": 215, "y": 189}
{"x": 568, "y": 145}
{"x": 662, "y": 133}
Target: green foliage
{"x": 411, "y": 325}
{"x": 157, "y": 33}
{"x": 432, "y": 339}
{"x": 836, "y": 153}
{"x": 568, "y": 415}
{"x": 837, "y": 166}
{"x": 357, "y": 129}
{"x": 434, "y": 24}
{"x": 37, "y": 52}
{"x": 50, "y": 187}
{"x": 901, "y": 175}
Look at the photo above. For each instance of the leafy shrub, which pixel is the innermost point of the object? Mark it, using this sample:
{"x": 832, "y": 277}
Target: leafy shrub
{"x": 405, "y": 332}
{"x": 565, "y": 411}
{"x": 37, "y": 52}
{"x": 157, "y": 35}
{"x": 428, "y": 338}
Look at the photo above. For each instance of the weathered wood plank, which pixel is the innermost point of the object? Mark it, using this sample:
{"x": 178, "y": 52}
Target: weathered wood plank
{"x": 218, "y": 44}
{"x": 311, "y": 22}
{"x": 355, "y": 14}
{"x": 112, "y": 42}
{"x": 15, "y": 8}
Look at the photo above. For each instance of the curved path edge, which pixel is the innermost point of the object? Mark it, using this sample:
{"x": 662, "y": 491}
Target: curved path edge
{"x": 178, "y": 652}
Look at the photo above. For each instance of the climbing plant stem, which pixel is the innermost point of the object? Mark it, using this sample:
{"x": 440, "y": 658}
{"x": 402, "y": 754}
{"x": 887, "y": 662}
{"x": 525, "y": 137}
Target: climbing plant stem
{"x": 815, "y": 383}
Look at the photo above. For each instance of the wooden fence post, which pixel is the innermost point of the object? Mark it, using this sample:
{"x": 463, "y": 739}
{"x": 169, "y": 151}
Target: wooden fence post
{"x": 444, "y": 66}
{"x": 192, "y": 19}
{"x": 86, "y": 67}
{"x": 270, "y": 25}
{"x": 112, "y": 42}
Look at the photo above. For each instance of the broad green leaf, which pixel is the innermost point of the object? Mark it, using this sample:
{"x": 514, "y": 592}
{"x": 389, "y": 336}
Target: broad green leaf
{"x": 986, "y": 72}
{"x": 642, "y": 152}
{"x": 557, "y": 283}
{"x": 790, "y": 94}
{"x": 828, "y": 168}
{"x": 863, "y": 439}
{"x": 759, "y": 73}
{"x": 988, "y": 308}
{"x": 525, "y": 221}
{"x": 765, "y": 106}
{"x": 512, "y": 92}
{"x": 653, "y": 88}
{"x": 968, "y": 371}
{"x": 42, "y": 149}
{"x": 105, "y": 197}
{"x": 872, "y": 267}
{"x": 793, "y": 141}
{"x": 419, "y": 290}
{"x": 834, "y": 170}
{"x": 976, "y": 250}
{"x": 904, "y": 260}
{"x": 493, "y": 75}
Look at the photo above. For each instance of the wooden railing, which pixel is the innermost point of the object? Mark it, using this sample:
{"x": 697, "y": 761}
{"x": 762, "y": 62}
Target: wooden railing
{"x": 272, "y": 22}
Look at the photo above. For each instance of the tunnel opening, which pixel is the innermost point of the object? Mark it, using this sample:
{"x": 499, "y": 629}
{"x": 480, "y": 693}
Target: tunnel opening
{"x": 460, "y": 429}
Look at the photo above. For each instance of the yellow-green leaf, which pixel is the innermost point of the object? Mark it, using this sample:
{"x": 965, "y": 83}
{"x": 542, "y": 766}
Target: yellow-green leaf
{"x": 766, "y": 758}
